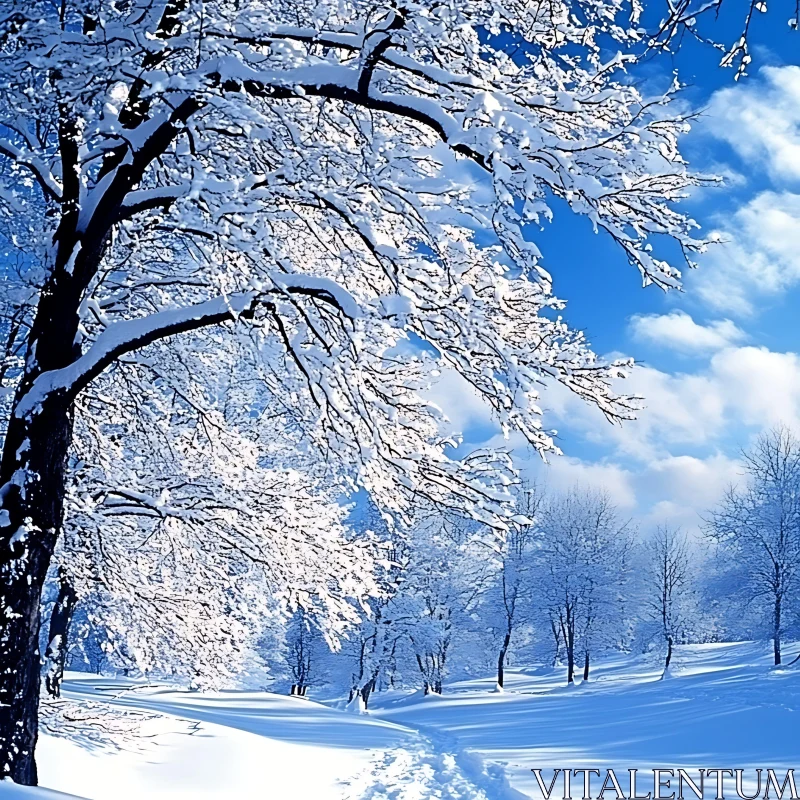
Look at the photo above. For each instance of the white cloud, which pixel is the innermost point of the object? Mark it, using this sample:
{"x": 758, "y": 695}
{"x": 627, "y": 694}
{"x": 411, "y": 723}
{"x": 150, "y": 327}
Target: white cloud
{"x": 760, "y": 387}
{"x": 678, "y": 490}
{"x": 741, "y": 390}
{"x": 460, "y": 402}
{"x": 672, "y": 463}
{"x": 760, "y": 119}
{"x": 678, "y": 331}
{"x": 678, "y": 410}
{"x": 563, "y": 472}
{"x": 759, "y": 254}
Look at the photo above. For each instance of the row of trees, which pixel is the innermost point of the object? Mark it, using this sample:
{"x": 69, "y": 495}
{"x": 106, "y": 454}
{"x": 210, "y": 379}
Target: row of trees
{"x": 578, "y": 582}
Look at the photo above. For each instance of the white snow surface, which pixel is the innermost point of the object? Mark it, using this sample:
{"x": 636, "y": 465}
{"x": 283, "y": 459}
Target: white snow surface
{"x": 724, "y": 706}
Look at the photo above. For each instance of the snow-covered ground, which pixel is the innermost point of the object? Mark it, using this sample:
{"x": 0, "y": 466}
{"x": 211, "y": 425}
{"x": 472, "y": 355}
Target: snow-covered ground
{"x": 723, "y": 706}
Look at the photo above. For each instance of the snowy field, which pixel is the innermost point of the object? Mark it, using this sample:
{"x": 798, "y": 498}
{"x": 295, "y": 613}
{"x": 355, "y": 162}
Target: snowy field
{"x": 723, "y": 706}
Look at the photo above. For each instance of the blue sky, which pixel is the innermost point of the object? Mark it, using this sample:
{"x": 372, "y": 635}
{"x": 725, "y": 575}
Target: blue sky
{"x": 717, "y": 362}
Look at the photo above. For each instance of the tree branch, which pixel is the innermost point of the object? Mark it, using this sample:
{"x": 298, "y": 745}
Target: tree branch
{"x": 130, "y": 335}
{"x": 43, "y": 176}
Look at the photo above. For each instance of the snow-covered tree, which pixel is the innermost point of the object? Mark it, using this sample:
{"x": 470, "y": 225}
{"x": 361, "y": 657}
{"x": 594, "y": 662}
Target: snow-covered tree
{"x": 697, "y": 18}
{"x": 305, "y": 649}
{"x": 183, "y": 523}
{"x": 581, "y": 568}
{"x": 317, "y": 171}
{"x": 372, "y": 647}
{"x": 511, "y": 595}
{"x": 757, "y": 526}
{"x": 447, "y": 575}
{"x": 668, "y": 584}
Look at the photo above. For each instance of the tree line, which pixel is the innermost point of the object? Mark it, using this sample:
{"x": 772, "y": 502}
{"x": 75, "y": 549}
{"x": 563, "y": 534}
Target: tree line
{"x": 577, "y": 583}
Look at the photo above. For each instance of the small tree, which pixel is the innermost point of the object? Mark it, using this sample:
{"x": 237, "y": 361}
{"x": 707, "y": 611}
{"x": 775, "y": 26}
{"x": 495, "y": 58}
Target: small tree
{"x": 302, "y": 644}
{"x": 580, "y": 567}
{"x": 514, "y": 581}
{"x": 446, "y": 579}
{"x": 667, "y": 584}
{"x": 757, "y": 526}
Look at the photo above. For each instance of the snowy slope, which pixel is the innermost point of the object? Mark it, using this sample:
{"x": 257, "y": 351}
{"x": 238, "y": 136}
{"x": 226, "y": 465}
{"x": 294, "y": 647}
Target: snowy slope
{"x": 724, "y": 706}
{"x": 9, "y": 791}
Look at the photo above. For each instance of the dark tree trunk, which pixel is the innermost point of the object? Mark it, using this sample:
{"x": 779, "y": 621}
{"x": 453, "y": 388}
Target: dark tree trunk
{"x": 776, "y": 633}
{"x": 586, "y": 666}
{"x": 569, "y": 642}
{"x": 58, "y": 635}
{"x": 366, "y": 691}
{"x": 32, "y": 489}
{"x": 32, "y": 484}
{"x": 501, "y": 660}
{"x": 669, "y": 653}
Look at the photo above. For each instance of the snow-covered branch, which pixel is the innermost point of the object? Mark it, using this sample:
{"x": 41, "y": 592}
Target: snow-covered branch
{"x": 48, "y": 183}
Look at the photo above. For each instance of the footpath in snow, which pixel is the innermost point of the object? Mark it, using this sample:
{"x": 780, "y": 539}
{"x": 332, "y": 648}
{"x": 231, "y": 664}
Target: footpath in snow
{"x": 723, "y": 706}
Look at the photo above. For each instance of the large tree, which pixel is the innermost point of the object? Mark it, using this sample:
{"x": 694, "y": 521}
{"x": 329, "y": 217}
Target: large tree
{"x": 757, "y": 526}
{"x": 318, "y": 171}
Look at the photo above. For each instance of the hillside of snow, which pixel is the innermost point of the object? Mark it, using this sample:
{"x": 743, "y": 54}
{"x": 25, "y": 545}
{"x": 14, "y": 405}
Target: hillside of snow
{"x": 723, "y": 706}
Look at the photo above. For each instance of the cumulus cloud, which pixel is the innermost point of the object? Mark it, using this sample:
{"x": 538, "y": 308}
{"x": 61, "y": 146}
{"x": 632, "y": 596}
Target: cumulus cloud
{"x": 673, "y": 463}
{"x": 760, "y": 387}
{"x": 739, "y": 391}
{"x": 760, "y": 119}
{"x": 678, "y": 410}
{"x": 678, "y": 490}
{"x": 461, "y": 403}
{"x": 758, "y": 254}
{"x": 564, "y": 472}
{"x": 678, "y": 331}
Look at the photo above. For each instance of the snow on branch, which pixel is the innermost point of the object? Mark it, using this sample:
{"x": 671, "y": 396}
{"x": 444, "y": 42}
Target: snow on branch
{"x": 50, "y": 186}
{"x": 126, "y": 336}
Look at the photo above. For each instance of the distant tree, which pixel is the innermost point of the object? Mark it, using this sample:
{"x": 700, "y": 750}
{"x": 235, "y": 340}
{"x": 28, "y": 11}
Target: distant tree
{"x": 580, "y": 568}
{"x": 303, "y": 646}
{"x": 757, "y": 527}
{"x": 667, "y": 585}
{"x": 513, "y": 585}
{"x": 447, "y": 577}
{"x": 373, "y": 644}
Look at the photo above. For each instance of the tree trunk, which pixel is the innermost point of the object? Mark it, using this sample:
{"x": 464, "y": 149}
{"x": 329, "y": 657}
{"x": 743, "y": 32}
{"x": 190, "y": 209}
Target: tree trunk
{"x": 570, "y": 646}
{"x": 776, "y": 633}
{"x": 501, "y": 661}
{"x": 669, "y": 653}
{"x": 366, "y": 691}
{"x": 32, "y": 486}
{"x": 58, "y": 635}
{"x": 32, "y": 490}
{"x": 586, "y": 667}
